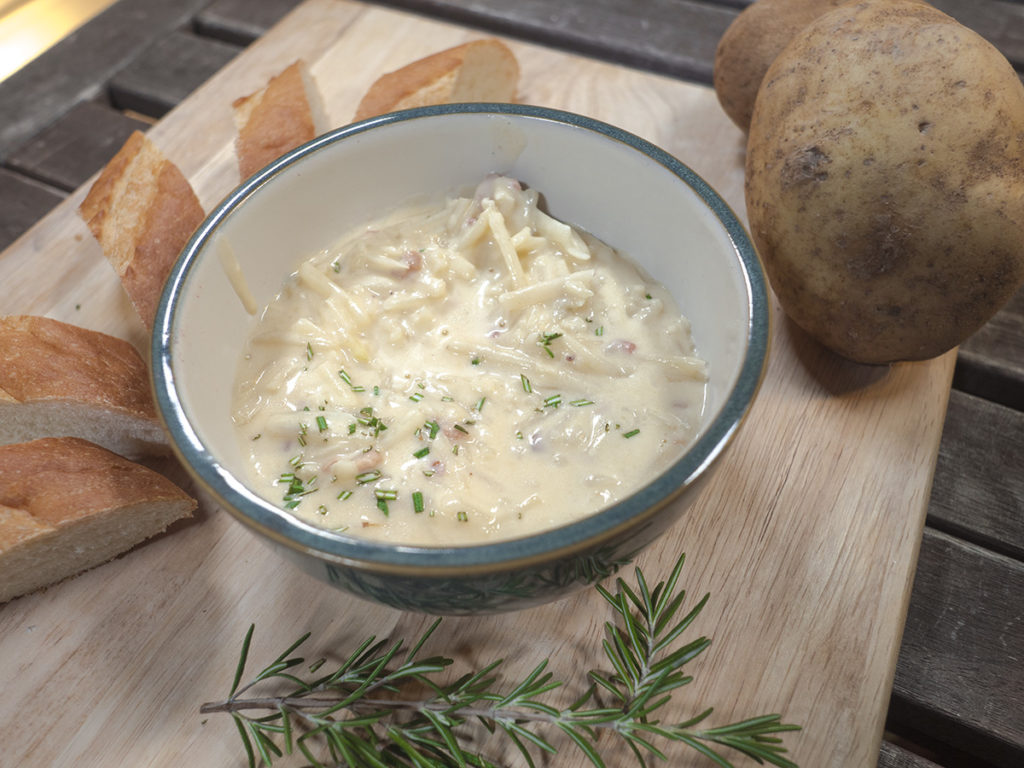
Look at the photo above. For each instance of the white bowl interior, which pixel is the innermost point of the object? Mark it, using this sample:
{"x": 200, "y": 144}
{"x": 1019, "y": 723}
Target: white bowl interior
{"x": 600, "y": 184}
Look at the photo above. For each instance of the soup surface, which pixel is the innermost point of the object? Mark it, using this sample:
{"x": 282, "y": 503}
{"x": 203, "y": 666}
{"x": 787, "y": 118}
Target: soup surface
{"x": 464, "y": 372}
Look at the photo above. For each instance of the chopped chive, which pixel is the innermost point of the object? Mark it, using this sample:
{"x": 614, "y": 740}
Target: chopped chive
{"x": 345, "y": 377}
{"x": 480, "y": 403}
{"x": 336, "y": 266}
{"x": 382, "y": 505}
{"x": 390, "y": 495}
{"x": 376, "y": 390}
{"x": 527, "y": 387}
{"x": 432, "y": 428}
{"x": 519, "y": 435}
{"x": 257, "y": 436}
{"x": 631, "y": 433}
{"x": 455, "y": 449}
{"x": 428, "y": 473}
{"x": 599, "y": 331}
{"x": 416, "y": 396}
{"x": 447, "y": 399}
{"x": 553, "y": 401}
{"x": 545, "y": 342}
{"x": 321, "y": 423}
{"x": 352, "y": 428}
{"x": 463, "y": 516}
{"x": 462, "y": 429}
{"x": 322, "y": 509}
{"x": 309, "y": 351}
{"x": 421, "y": 453}
{"x": 344, "y": 495}
{"x": 295, "y": 460}
{"x": 417, "y": 502}
{"x": 581, "y": 402}
{"x": 475, "y": 361}
{"x": 358, "y": 388}
{"x": 291, "y": 504}
{"x": 367, "y": 477}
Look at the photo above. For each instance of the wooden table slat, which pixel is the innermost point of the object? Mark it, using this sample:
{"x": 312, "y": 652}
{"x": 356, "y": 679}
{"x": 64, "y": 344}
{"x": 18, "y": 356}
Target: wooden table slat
{"x": 78, "y": 68}
{"x": 164, "y": 74}
{"x": 959, "y": 674}
{"x": 672, "y": 37}
{"x": 241, "y": 21}
{"x": 23, "y": 202}
{"x": 67, "y": 153}
{"x": 895, "y": 756}
{"x": 978, "y": 490}
{"x": 991, "y": 362}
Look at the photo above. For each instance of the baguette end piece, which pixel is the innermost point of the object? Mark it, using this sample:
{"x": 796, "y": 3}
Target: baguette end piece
{"x": 141, "y": 210}
{"x": 477, "y": 71}
{"x": 286, "y": 113}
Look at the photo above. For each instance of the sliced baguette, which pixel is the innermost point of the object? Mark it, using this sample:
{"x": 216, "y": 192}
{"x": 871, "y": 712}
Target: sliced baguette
{"x": 481, "y": 70}
{"x": 59, "y": 380}
{"x": 286, "y": 113}
{"x": 142, "y": 210}
{"x": 67, "y": 505}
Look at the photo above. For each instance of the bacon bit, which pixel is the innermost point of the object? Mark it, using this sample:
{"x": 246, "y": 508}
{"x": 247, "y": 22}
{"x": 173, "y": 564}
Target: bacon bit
{"x": 454, "y": 434}
{"x": 622, "y": 346}
{"x": 369, "y": 460}
{"x": 413, "y": 261}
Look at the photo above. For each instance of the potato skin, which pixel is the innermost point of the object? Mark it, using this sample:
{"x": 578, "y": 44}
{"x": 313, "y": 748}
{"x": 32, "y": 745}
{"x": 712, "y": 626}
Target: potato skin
{"x": 751, "y": 43}
{"x": 885, "y": 180}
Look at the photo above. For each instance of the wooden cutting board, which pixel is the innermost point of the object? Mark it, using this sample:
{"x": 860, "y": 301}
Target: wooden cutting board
{"x": 806, "y": 537}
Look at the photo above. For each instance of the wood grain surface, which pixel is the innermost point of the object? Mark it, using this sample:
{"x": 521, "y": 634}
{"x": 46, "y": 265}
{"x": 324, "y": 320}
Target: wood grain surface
{"x": 806, "y": 537}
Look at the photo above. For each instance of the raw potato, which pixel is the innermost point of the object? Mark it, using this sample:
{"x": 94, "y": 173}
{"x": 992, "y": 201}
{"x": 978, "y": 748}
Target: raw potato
{"x": 750, "y": 45}
{"x": 885, "y": 180}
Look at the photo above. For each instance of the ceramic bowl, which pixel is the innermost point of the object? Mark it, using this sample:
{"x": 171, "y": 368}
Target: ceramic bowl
{"x": 629, "y": 193}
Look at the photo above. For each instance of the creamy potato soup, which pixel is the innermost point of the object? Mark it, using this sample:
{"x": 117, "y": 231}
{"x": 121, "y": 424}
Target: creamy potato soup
{"x": 465, "y": 372}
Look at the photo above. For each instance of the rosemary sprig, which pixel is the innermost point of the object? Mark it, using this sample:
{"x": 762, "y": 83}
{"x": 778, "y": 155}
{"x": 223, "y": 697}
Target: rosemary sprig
{"x": 379, "y": 708}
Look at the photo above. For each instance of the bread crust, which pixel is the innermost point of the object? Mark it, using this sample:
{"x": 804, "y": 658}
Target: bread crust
{"x": 480, "y": 70}
{"x": 99, "y": 377}
{"x": 278, "y": 118}
{"x": 67, "y": 505}
{"x": 142, "y": 211}
{"x": 43, "y": 359}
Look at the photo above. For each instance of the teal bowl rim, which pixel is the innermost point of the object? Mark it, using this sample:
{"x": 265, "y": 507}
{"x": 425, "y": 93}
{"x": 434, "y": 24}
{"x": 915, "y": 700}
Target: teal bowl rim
{"x": 544, "y": 547}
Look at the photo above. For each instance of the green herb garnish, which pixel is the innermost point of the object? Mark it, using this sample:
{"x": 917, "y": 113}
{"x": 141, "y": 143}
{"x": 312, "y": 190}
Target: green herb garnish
{"x": 425, "y": 714}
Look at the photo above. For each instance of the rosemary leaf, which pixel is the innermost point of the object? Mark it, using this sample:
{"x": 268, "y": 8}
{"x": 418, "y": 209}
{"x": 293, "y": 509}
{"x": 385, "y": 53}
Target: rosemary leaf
{"x": 343, "y": 713}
